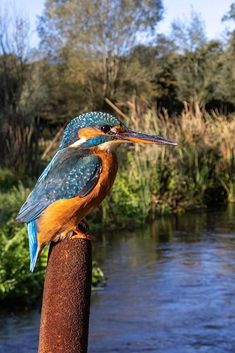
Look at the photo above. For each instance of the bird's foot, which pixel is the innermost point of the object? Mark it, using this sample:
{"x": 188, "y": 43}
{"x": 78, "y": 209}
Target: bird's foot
{"x": 80, "y": 235}
{"x": 81, "y": 232}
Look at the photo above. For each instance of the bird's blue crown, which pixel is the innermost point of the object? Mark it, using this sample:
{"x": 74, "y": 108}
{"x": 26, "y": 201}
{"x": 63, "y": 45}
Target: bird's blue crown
{"x": 85, "y": 120}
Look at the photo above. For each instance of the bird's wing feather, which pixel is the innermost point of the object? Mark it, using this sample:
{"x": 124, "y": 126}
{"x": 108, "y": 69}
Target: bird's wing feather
{"x": 70, "y": 173}
{"x": 33, "y": 244}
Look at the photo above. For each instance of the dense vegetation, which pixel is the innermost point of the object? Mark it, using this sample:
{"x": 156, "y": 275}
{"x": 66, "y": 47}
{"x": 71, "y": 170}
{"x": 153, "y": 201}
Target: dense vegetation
{"x": 181, "y": 87}
{"x": 17, "y": 284}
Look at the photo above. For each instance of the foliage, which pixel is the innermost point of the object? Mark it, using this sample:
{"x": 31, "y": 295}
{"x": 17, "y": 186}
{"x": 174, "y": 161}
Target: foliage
{"x": 8, "y": 179}
{"x": 179, "y": 86}
{"x": 198, "y": 173}
{"x": 98, "y": 278}
{"x": 226, "y": 79}
{"x": 90, "y": 50}
{"x": 20, "y": 95}
{"x": 11, "y": 201}
{"x": 101, "y": 27}
{"x": 230, "y": 15}
{"x": 197, "y": 73}
{"x": 189, "y": 35}
{"x": 130, "y": 197}
{"x": 90, "y": 42}
{"x": 17, "y": 283}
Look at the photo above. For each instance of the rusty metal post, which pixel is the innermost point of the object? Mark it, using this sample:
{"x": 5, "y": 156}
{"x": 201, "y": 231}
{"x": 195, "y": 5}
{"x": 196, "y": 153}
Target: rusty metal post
{"x": 66, "y": 298}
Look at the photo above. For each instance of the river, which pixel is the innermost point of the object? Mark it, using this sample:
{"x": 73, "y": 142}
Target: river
{"x": 170, "y": 289}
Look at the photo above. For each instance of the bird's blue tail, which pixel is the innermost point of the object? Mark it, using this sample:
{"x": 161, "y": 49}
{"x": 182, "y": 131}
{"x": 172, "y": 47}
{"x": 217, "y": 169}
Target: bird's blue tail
{"x": 33, "y": 243}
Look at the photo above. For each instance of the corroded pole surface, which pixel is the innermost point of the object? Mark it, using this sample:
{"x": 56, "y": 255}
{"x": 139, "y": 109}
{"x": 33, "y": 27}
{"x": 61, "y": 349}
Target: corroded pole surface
{"x": 66, "y": 298}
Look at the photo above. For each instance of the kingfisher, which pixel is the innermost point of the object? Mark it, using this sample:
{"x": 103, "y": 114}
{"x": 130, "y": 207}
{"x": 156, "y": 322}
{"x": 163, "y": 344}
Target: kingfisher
{"x": 77, "y": 179}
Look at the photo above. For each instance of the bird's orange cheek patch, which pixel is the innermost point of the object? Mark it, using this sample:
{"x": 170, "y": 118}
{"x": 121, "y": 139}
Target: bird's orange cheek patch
{"x": 119, "y": 129}
{"x": 89, "y": 132}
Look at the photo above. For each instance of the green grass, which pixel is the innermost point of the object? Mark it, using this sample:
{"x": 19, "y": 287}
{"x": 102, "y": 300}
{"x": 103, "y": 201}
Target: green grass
{"x": 17, "y": 283}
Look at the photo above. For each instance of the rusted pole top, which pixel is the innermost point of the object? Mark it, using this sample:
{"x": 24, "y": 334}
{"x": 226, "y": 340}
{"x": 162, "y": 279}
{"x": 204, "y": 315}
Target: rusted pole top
{"x": 66, "y": 298}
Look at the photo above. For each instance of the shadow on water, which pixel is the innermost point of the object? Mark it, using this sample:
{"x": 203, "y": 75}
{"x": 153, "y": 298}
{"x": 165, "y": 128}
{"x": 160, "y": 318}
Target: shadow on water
{"x": 171, "y": 288}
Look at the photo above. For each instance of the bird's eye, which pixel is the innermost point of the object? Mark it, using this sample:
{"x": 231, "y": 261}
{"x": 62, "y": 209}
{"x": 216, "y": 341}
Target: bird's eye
{"x": 105, "y": 128}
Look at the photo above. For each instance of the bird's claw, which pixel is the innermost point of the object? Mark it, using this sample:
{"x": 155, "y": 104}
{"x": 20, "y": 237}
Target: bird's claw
{"x": 80, "y": 235}
{"x": 81, "y": 232}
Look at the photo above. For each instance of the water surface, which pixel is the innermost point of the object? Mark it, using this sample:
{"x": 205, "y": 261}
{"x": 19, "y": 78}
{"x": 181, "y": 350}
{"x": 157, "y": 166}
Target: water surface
{"x": 170, "y": 289}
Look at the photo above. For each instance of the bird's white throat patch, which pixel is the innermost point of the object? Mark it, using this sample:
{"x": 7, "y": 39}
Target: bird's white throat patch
{"x": 78, "y": 142}
{"x": 106, "y": 146}
{"x": 109, "y": 146}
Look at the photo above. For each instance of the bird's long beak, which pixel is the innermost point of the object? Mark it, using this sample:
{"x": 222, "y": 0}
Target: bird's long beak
{"x": 134, "y": 136}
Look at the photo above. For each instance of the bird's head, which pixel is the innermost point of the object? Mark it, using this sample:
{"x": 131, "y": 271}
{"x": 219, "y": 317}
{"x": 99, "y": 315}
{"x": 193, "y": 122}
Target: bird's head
{"x": 102, "y": 130}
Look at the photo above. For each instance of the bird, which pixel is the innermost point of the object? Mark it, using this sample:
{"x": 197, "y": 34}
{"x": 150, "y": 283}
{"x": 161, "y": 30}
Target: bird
{"x": 77, "y": 179}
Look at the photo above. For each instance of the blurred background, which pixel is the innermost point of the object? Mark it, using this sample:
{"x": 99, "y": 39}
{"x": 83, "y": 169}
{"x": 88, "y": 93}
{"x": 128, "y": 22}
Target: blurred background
{"x": 166, "y": 232}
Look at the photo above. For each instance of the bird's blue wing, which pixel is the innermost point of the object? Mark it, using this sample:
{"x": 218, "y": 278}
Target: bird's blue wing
{"x": 50, "y": 165}
{"x": 70, "y": 173}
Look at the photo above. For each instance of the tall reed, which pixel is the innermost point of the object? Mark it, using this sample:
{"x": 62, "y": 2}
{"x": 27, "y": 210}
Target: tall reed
{"x": 199, "y": 172}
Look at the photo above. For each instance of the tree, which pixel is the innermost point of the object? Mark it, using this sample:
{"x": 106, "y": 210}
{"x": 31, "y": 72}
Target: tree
{"x": 101, "y": 27}
{"x": 226, "y": 82}
{"x": 91, "y": 39}
{"x": 197, "y": 63}
{"x": 230, "y": 15}
{"x": 18, "y": 94}
{"x": 189, "y": 35}
{"x": 197, "y": 73}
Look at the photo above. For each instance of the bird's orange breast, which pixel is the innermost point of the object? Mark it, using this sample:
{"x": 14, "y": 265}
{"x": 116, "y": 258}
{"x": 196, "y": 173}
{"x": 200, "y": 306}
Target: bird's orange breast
{"x": 64, "y": 215}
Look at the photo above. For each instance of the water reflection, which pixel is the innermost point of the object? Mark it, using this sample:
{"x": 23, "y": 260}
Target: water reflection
{"x": 171, "y": 288}
{"x": 19, "y": 332}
